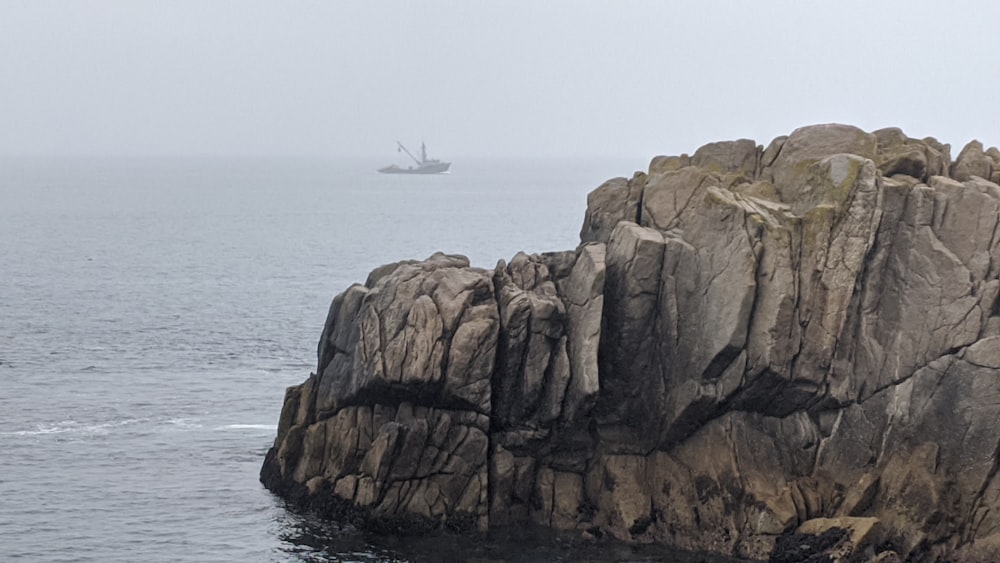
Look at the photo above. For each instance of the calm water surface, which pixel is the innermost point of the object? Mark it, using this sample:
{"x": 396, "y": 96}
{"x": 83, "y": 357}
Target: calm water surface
{"x": 153, "y": 311}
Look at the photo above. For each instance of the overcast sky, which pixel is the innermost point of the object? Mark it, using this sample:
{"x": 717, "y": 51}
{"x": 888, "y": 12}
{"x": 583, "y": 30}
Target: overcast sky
{"x": 568, "y": 78}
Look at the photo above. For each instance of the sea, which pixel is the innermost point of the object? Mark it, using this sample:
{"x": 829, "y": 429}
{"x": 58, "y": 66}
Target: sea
{"x": 153, "y": 311}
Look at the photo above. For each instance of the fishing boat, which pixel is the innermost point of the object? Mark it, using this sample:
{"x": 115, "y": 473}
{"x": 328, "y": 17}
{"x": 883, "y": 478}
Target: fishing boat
{"x": 424, "y": 165}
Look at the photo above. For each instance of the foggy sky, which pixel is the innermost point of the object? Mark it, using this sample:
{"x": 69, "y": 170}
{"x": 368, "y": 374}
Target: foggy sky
{"x": 567, "y": 78}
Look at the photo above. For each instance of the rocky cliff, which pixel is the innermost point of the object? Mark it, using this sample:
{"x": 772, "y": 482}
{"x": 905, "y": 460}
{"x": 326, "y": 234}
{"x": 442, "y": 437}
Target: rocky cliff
{"x": 750, "y": 343}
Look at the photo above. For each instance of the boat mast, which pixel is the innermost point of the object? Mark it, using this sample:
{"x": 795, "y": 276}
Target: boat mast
{"x": 423, "y": 152}
{"x": 402, "y": 148}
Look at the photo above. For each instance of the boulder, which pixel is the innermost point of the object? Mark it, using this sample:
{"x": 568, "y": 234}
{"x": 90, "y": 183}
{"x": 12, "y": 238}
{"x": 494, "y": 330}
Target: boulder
{"x": 668, "y": 163}
{"x": 901, "y": 155}
{"x": 728, "y": 156}
{"x": 807, "y": 146}
{"x": 971, "y": 162}
{"x": 613, "y": 201}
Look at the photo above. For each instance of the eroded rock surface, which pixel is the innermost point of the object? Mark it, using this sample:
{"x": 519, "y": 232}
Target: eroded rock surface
{"x": 751, "y": 343}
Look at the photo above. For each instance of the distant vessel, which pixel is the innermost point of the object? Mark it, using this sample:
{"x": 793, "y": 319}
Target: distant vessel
{"x": 424, "y": 165}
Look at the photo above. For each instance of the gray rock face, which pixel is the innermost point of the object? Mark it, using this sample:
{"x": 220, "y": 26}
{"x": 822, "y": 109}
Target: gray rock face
{"x": 749, "y": 343}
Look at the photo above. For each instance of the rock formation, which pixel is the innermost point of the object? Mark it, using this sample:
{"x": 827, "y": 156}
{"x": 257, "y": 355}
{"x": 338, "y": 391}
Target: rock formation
{"x": 750, "y": 343}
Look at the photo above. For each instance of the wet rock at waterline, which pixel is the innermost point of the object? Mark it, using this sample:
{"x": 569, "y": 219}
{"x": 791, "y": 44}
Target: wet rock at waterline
{"x": 751, "y": 345}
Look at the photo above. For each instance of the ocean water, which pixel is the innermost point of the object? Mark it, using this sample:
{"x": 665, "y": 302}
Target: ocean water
{"x": 152, "y": 313}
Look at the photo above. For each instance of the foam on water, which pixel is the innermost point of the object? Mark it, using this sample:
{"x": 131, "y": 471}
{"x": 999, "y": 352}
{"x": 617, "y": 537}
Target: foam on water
{"x": 183, "y": 424}
{"x": 73, "y": 427}
{"x": 265, "y": 427}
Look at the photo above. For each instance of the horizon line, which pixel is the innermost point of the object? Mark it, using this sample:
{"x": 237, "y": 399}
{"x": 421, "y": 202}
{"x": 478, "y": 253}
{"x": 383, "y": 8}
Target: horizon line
{"x": 250, "y": 156}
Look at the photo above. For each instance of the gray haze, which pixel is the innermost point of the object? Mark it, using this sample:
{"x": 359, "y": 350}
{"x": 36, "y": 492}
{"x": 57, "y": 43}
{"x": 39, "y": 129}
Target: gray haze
{"x": 568, "y": 78}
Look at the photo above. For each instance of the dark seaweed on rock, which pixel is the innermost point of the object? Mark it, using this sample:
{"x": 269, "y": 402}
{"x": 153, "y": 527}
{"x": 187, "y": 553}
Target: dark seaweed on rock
{"x": 750, "y": 343}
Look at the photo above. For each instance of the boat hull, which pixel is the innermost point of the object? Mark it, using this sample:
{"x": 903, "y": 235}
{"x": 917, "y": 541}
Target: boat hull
{"x": 428, "y": 168}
